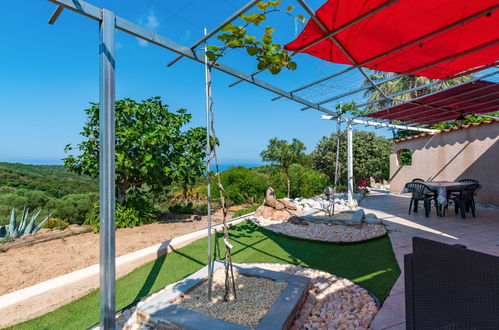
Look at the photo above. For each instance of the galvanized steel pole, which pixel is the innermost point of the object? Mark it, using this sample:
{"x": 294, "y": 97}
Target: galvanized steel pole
{"x": 350, "y": 162}
{"x": 208, "y": 155}
{"x": 107, "y": 184}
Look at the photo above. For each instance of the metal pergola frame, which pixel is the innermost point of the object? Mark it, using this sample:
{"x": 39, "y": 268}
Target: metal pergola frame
{"x": 109, "y": 23}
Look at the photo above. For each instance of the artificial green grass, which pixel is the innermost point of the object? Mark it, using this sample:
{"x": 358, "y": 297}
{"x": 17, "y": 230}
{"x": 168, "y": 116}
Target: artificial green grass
{"x": 372, "y": 264}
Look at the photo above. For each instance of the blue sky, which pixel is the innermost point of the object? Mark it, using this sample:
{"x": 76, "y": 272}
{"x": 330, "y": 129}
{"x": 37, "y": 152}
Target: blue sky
{"x": 49, "y": 74}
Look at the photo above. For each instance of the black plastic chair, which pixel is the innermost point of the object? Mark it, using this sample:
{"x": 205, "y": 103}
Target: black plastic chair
{"x": 421, "y": 192}
{"x": 450, "y": 287}
{"x": 465, "y": 201}
{"x": 417, "y": 180}
{"x": 469, "y": 181}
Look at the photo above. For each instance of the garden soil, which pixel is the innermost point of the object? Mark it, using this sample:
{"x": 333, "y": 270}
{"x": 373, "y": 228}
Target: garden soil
{"x": 26, "y": 266}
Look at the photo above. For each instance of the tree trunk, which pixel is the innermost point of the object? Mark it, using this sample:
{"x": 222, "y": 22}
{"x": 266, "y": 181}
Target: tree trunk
{"x": 289, "y": 183}
{"x": 122, "y": 188}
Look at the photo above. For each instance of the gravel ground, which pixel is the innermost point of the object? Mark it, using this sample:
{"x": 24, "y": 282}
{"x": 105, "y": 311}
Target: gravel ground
{"x": 323, "y": 232}
{"x": 255, "y": 295}
{"x": 333, "y": 302}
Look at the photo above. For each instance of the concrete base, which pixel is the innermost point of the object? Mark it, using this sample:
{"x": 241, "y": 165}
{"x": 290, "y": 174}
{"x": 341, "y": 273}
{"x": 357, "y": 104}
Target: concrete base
{"x": 160, "y": 313}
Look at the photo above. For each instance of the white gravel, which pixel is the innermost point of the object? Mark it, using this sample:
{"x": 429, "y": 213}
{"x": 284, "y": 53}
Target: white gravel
{"x": 324, "y": 232}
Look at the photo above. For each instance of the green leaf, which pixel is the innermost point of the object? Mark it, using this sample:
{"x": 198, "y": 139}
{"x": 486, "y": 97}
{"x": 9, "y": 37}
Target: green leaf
{"x": 252, "y": 50}
{"x": 274, "y": 69}
{"x": 292, "y": 66}
{"x": 275, "y": 3}
{"x": 290, "y": 8}
{"x": 262, "y": 5}
{"x": 262, "y": 65}
{"x": 302, "y": 18}
{"x": 214, "y": 48}
{"x": 211, "y": 55}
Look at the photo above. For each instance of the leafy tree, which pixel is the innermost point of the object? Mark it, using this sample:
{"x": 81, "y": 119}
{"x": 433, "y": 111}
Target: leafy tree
{"x": 284, "y": 154}
{"x": 371, "y": 156}
{"x": 153, "y": 148}
{"x": 307, "y": 182}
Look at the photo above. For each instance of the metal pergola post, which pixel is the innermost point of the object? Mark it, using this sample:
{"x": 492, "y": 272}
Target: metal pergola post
{"x": 350, "y": 162}
{"x": 107, "y": 184}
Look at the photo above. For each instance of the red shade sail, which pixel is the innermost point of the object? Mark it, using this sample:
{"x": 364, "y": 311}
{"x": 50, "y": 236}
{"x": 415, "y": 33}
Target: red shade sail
{"x": 473, "y": 98}
{"x": 430, "y": 38}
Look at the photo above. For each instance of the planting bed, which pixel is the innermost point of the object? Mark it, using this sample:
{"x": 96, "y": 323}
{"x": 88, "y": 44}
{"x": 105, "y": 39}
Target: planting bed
{"x": 255, "y": 295}
{"x": 330, "y": 302}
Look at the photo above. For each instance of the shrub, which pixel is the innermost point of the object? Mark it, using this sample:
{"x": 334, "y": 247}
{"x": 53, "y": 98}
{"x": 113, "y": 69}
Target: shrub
{"x": 241, "y": 185}
{"x": 56, "y": 223}
{"x": 75, "y": 208}
{"x": 188, "y": 208}
{"x": 135, "y": 212}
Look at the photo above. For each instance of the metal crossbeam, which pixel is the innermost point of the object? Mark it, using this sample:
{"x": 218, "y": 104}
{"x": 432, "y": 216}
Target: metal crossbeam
{"x": 207, "y": 36}
{"x": 378, "y": 124}
{"x": 154, "y": 38}
{"x": 55, "y": 15}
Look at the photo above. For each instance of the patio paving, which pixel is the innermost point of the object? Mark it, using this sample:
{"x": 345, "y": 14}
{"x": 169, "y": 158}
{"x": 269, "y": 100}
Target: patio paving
{"x": 480, "y": 234}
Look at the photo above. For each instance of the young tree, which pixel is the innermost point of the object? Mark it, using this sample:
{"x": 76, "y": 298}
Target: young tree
{"x": 284, "y": 154}
{"x": 153, "y": 148}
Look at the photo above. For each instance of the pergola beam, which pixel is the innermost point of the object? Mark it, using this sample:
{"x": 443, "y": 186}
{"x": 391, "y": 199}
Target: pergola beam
{"x": 56, "y": 14}
{"x": 154, "y": 38}
{"x": 207, "y": 36}
{"x": 378, "y": 124}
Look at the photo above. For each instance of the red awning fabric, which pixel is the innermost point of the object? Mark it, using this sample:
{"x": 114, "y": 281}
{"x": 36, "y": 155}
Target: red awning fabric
{"x": 396, "y": 38}
{"x": 472, "y": 98}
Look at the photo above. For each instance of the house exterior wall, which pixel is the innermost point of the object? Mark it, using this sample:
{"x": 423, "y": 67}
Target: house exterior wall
{"x": 471, "y": 152}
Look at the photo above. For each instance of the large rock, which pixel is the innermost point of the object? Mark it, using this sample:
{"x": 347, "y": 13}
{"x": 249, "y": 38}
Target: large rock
{"x": 276, "y": 209}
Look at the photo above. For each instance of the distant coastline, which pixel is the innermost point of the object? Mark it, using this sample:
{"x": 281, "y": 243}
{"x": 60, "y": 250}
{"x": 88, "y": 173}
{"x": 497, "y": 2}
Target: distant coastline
{"x": 222, "y": 167}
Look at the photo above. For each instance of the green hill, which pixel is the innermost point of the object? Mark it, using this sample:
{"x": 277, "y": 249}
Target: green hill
{"x": 55, "y": 180}
{"x": 51, "y": 188}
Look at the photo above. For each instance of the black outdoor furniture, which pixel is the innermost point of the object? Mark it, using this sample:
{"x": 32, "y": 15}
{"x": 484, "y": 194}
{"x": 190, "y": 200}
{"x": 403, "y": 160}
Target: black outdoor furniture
{"x": 469, "y": 181}
{"x": 464, "y": 200}
{"x": 417, "y": 180}
{"x": 420, "y": 192}
{"x": 450, "y": 287}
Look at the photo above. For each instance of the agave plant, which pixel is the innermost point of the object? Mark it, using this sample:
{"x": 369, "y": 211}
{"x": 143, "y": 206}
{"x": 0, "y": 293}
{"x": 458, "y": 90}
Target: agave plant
{"x": 25, "y": 227}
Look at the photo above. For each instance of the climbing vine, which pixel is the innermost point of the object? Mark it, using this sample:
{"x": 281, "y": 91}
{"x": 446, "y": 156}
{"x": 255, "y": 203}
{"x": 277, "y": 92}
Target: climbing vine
{"x": 270, "y": 55}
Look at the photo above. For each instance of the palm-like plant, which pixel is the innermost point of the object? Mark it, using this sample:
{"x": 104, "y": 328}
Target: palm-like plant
{"x": 401, "y": 84}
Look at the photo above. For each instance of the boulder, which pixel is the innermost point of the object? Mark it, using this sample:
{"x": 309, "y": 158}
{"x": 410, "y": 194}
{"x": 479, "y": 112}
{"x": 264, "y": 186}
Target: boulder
{"x": 276, "y": 209}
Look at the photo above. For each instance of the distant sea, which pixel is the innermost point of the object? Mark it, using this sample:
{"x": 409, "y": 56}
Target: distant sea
{"x": 223, "y": 167}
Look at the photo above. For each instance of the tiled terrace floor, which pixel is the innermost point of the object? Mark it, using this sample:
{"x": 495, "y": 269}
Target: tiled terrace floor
{"x": 480, "y": 234}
